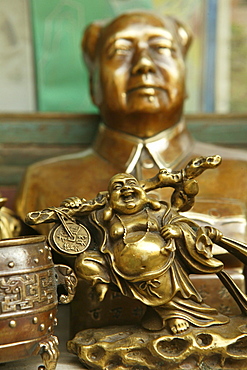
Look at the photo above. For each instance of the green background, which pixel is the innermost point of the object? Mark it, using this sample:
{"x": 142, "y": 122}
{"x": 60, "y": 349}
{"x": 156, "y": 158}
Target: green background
{"x": 62, "y": 79}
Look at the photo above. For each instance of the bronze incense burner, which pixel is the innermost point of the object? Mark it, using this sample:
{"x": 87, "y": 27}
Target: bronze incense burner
{"x": 28, "y": 299}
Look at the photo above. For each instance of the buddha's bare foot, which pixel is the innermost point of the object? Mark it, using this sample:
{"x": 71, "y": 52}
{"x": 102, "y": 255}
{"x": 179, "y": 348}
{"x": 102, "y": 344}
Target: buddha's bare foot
{"x": 178, "y": 326}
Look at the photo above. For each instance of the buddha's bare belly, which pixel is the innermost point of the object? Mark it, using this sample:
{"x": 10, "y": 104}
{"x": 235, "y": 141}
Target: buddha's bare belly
{"x": 143, "y": 259}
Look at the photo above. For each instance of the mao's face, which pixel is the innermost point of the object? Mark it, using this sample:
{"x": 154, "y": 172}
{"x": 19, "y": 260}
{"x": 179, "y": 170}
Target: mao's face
{"x": 141, "y": 67}
{"x": 126, "y": 195}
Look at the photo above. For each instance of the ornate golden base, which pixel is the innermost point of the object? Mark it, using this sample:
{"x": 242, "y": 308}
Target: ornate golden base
{"x": 132, "y": 347}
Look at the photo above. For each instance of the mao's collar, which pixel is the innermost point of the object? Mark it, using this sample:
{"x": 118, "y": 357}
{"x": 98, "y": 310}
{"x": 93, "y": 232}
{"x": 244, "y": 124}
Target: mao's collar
{"x": 166, "y": 149}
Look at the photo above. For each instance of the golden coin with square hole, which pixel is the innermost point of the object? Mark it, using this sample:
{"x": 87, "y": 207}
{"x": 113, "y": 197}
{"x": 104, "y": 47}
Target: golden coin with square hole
{"x": 72, "y": 239}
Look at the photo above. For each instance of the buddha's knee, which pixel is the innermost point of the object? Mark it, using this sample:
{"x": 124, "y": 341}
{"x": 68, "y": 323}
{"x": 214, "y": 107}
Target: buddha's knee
{"x": 91, "y": 266}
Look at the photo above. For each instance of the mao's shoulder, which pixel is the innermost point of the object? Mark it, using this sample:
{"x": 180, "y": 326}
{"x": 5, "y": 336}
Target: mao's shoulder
{"x": 64, "y": 161}
{"x": 229, "y": 154}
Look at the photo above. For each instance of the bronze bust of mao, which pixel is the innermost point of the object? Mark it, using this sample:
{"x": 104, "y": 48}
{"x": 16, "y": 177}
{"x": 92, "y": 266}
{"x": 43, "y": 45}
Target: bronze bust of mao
{"x": 136, "y": 65}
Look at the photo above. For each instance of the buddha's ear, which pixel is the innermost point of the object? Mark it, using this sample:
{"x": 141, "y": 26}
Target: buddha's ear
{"x": 108, "y": 213}
{"x": 184, "y": 35}
{"x": 154, "y": 204}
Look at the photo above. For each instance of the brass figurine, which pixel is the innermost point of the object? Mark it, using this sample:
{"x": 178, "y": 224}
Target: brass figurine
{"x": 137, "y": 73}
{"x": 146, "y": 250}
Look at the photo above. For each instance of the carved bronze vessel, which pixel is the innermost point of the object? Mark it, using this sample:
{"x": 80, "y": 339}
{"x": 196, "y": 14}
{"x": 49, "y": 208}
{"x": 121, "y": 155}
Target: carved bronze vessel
{"x": 28, "y": 299}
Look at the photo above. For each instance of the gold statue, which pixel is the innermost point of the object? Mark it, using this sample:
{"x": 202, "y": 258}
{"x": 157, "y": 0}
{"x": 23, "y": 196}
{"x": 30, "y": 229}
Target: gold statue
{"x": 137, "y": 73}
{"x": 147, "y": 249}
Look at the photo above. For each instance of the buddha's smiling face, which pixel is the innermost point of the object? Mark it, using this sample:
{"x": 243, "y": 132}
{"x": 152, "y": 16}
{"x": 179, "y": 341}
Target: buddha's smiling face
{"x": 126, "y": 195}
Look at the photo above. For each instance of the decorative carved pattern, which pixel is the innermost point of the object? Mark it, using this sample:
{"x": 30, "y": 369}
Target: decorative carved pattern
{"x": 27, "y": 291}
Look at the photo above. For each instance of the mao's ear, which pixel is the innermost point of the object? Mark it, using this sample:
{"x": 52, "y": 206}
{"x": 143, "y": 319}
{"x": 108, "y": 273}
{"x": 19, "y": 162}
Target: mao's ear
{"x": 184, "y": 35}
{"x": 89, "y": 48}
{"x": 90, "y": 41}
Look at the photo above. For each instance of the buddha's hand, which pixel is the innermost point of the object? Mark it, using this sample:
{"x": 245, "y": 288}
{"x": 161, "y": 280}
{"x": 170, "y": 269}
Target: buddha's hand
{"x": 214, "y": 234}
{"x": 72, "y": 202}
{"x": 171, "y": 231}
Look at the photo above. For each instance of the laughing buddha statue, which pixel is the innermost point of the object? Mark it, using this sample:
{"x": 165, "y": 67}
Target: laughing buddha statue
{"x": 147, "y": 249}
